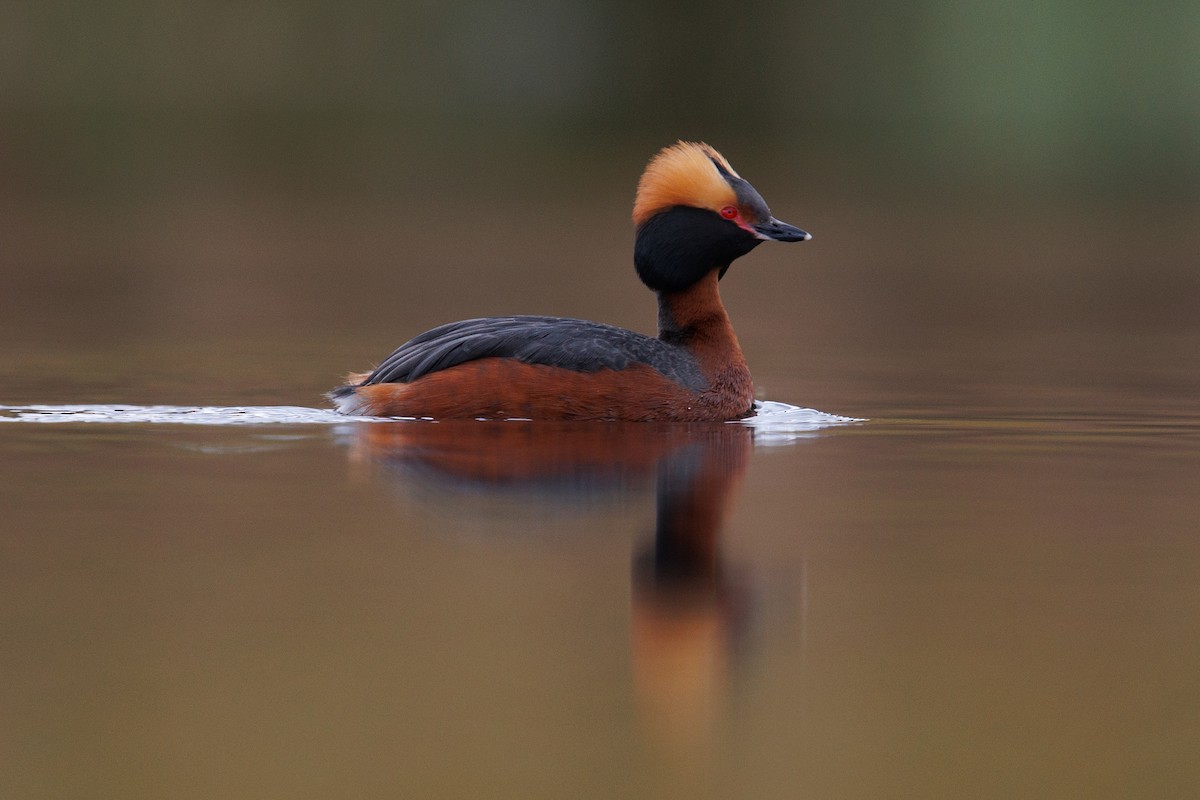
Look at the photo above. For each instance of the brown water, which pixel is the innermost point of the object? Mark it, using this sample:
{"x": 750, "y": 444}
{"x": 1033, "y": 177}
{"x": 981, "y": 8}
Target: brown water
{"x": 995, "y": 601}
{"x": 988, "y": 589}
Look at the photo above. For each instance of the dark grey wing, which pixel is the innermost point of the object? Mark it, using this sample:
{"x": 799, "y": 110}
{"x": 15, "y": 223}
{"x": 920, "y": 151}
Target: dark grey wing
{"x": 573, "y": 344}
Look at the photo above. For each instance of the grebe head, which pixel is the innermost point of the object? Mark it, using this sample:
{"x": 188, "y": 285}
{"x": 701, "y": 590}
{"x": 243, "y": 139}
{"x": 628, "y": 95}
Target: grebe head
{"x": 694, "y": 214}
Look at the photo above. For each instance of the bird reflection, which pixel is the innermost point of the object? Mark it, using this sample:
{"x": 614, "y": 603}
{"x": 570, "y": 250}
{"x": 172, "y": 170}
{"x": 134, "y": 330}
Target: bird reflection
{"x": 685, "y": 608}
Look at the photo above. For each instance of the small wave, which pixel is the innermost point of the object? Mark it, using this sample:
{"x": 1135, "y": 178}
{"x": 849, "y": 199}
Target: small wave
{"x": 780, "y": 423}
{"x": 773, "y": 423}
{"x": 176, "y": 415}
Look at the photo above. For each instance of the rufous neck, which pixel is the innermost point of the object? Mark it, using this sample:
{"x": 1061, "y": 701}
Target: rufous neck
{"x": 693, "y": 313}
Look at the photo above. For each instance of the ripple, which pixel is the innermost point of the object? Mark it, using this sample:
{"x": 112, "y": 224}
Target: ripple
{"x": 176, "y": 415}
{"x": 775, "y": 423}
{"x": 780, "y": 423}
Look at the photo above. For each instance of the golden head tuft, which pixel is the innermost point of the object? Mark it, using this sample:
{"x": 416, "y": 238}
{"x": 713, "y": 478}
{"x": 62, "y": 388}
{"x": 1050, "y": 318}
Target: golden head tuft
{"x": 683, "y": 174}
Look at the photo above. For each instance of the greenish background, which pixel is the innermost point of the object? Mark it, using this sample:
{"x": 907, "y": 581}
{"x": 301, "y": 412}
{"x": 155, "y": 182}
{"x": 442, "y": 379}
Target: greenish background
{"x": 292, "y": 173}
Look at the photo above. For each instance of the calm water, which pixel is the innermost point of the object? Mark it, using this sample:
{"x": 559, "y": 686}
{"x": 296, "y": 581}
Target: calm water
{"x": 210, "y": 587}
{"x": 999, "y": 602}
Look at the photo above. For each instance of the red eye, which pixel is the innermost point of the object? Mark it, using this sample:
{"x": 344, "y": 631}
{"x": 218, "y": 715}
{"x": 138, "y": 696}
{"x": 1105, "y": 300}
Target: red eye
{"x": 729, "y": 212}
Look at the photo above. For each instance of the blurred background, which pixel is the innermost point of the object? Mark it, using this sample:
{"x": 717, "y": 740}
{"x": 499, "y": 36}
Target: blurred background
{"x": 987, "y": 591}
{"x": 241, "y": 201}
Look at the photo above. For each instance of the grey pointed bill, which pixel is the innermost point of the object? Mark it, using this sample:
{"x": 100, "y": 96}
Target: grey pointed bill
{"x": 780, "y": 231}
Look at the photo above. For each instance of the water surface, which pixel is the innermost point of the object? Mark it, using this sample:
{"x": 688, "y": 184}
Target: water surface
{"x": 915, "y": 605}
{"x": 212, "y": 586}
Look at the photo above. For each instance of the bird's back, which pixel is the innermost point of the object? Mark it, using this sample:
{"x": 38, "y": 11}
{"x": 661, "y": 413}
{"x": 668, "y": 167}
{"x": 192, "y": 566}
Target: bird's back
{"x": 531, "y": 366}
